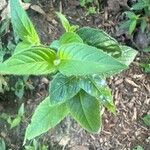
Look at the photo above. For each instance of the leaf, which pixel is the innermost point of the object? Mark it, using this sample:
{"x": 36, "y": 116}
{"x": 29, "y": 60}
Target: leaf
{"x": 22, "y": 46}
{"x": 34, "y": 61}
{"x": 147, "y": 49}
{"x": 55, "y": 45}
{"x": 64, "y": 21}
{"x": 100, "y": 39}
{"x": 143, "y": 25}
{"x": 63, "y": 88}
{"x": 81, "y": 59}
{"x": 146, "y": 67}
{"x": 2, "y": 144}
{"x": 22, "y": 24}
{"x": 138, "y": 148}
{"x": 146, "y": 120}
{"x": 97, "y": 87}
{"x": 15, "y": 122}
{"x": 125, "y": 25}
{"x": 66, "y": 24}
{"x": 4, "y": 26}
{"x": 44, "y": 118}
{"x": 139, "y": 6}
{"x": 70, "y": 37}
{"x": 85, "y": 110}
{"x": 128, "y": 55}
{"x": 130, "y": 14}
{"x": 21, "y": 110}
{"x": 132, "y": 26}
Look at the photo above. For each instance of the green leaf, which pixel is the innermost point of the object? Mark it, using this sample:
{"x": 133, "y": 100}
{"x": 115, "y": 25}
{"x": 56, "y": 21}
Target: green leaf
{"x": 4, "y": 26}
{"x": 22, "y": 24}
{"x": 81, "y": 59}
{"x": 44, "y": 118}
{"x": 21, "y": 110}
{"x": 34, "y": 61}
{"x": 97, "y": 87}
{"x": 55, "y": 45}
{"x": 125, "y": 25}
{"x": 147, "y": 49}
{"x": 128, "y": 55}
{"x": 70, "y": 37}
{"x": 143, "y": 25}
{"x": 138, "y": 148}
{"x": 64, "y": 21}
{"x": 15, "y": 122}
{"x": 22, "y": 46}
{"x": 100, "y": 39}
{"x": 146, "y": 67}
{"x": 132, "y": 26}
{"x": 139, "y": 6}
{"x": 63, "y": 88}
{"x": 130, "y": 14}
{"x": 2, "y": 144}
{"x": 66, "y": 24}
{"x": 146, "y": 120}
{"x": 86, "y": 111}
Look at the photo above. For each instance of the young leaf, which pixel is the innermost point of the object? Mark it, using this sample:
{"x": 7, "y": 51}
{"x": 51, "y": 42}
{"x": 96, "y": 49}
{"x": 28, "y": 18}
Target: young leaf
{"x": 70, "y": 37}
{"x": 81, "y": 59}
{"x": 125, "y": 25}
{"x": 44, "y": 118}
{"x": 2, "y": 144}
{"x": 146, "y": 67}
{"x": 22, "y": 24}
{"x": 132, "y": 25}
{"x": 21, "y": 110}
{"x": 63, "y": 88}
{"x": 146, "y": 120}
{"x": 64, "y": 21}
{"x": 143, "y": 25}
{"x": 15, "y": 122}
{"x": 139, "y": 5}
{"x": 130, "y": 14}
{"x": 128, "y": 55}
{"x": 86, "y": 111}
{"x": 66, "y": 24}
{"x": 99, "y": 39}
{"x": 34, "y": 61}
{"x": 97, "y": 87}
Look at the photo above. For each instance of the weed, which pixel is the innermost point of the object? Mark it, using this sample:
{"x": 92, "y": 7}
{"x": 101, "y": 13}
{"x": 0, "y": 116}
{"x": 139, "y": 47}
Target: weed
{"x": 79, "y": 61}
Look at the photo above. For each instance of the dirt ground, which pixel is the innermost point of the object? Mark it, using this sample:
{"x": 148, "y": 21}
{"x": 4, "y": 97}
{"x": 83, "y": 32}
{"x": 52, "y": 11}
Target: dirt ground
{"x": 131, "y": 88}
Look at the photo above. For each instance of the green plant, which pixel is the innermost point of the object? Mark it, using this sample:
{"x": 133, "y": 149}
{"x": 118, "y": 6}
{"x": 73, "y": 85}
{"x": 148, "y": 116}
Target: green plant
{"x": 142, "y": 5}
{"x": 136, "y": 17}
{"x": 131, "y": 23}
{"x": 92, "y": 6}
{"x": 85, "y": 2}
{"x": 36, "y": 146}
{"x": 80, "y": 61}
{"x": 20, "y": 86}
{"x": 14, "y": 121}
{"x": 146, "y": 120}
{"x": 2, "y": 144}
{"x": 138, "y": 148}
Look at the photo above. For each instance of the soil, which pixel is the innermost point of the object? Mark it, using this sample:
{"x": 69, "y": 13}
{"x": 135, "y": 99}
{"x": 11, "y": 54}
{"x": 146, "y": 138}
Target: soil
{"x": 131, "y": 88}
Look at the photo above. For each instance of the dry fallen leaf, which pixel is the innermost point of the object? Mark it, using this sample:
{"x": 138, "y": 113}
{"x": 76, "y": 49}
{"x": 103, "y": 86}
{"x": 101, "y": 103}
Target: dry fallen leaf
{"x": 38, "y": 9}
